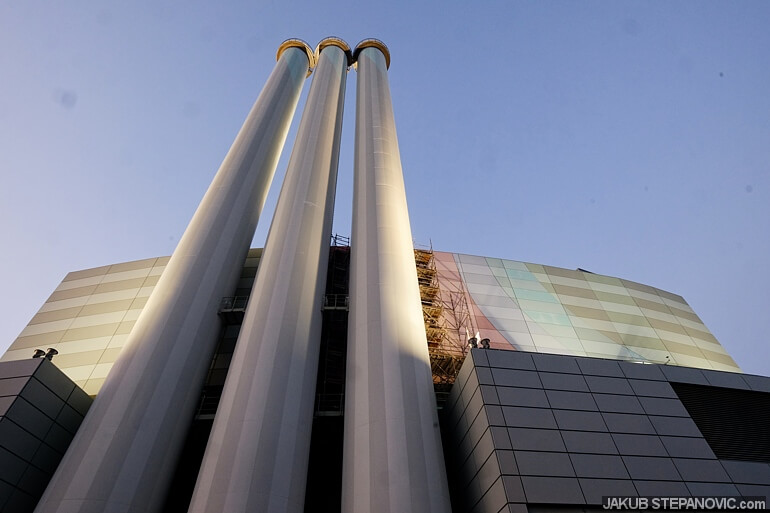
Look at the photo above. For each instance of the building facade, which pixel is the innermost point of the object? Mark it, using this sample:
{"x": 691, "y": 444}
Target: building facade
{"x": 537, "y": 432}
{"x": 516, "y": 305}
{"x": 305, "y": 377}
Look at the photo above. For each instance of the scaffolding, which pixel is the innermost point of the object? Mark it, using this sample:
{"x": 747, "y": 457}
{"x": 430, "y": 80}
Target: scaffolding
{"x": 446, "y": 315}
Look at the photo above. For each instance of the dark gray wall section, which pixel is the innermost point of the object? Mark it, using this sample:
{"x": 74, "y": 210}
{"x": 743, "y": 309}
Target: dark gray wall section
{"x": 40, "y": 411}
{"x": 528, "y": 428}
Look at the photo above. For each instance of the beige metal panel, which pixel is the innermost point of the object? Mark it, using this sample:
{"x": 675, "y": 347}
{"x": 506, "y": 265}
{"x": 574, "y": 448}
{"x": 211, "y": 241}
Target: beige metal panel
{"x": 127, "y": 275}
{"x": 114, "y": 286}
{"x": 107, "y": 307}
{"x": 115, "y": 295}
{"x": 63, "y": 304}
{"x": 47, "y": 326}
{"x": 81, "y": 282}
{"x": 622, "y": 308}
{"x": 611, "y": 297}
{"x": 574, "y": 291}
{"x": 100, "y": 330}
{"x": 569, "y": 281}
{"x": 86, "y": 273}
{"x": 133, "y": 265}
{"x": 71, "y": 293}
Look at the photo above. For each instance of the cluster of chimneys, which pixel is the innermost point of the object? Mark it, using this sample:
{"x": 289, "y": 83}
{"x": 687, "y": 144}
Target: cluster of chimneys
{"x": 48, "y": 354}
{"x": 474, "y": 342}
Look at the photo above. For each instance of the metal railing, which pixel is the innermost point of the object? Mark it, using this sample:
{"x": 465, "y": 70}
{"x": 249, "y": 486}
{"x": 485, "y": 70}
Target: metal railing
{"x": 336, "y": 302}
{"x": 329, "y": 405}
{"x": 340, "y": 240}
{"x": 229, "y": 304}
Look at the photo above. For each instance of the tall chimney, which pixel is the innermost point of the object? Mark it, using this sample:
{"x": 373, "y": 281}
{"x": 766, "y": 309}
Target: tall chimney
{"x": 124, "y": 453}
{"x": 392, "y": 456}
{"x": 257, "y": 455}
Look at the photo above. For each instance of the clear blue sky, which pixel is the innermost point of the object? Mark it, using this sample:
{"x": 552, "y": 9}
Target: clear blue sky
{"x": 628, "y": 138}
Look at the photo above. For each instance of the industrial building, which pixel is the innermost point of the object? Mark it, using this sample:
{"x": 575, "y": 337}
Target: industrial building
{"x": 322, "y": 373}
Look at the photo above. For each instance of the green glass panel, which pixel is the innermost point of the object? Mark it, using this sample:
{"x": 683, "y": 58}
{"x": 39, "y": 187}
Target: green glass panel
{"x": 494, "y": 262}
{"x": 549, "y": 318}
{"x": 512, "y": 264}
{"x": 520, "y": 275}
{"x": 535, "y": 295}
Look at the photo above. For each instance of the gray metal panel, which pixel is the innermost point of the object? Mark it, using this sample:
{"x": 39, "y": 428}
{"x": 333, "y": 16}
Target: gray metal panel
{"x": 663, "y": 406}
{"x": 685, "y": 447}
{"x": 556, "y": 363}
{"x": 5, "y": 404}
{"x": 479, "y": 357}
{"x": 54, "y": 379}
{"x": 580, "y": 420}
{"x": 701, "y": 470}
{"x": 684, "y": 375}
{"x": 559, "y": 381}
{"x": 554, "y": 464}
{"x": 6, "y": 490}
{"x": 500, "y": 437}
{"x": 607, "y": 385}
{"x": 17, "y": 440}
{"x": 758, "y": 383}
{"x": 626, "y": 423}
{"x": 124, "y": 454}
{"x": 514, "y": 491}
{"x": 507, "y": 463}
{"x": 30, "y": 418}
{"x": 571, "y": 400}
{"x": 33, "y": 437}
{"x": 675, "y": 426}
{"x": 489, "y": 395}
{"x": 661, "y": 488}
{"x": 528, "y": 417}
{"x": 507, "y": 359}
{"x": 43, "y": 399}
{"x": 641, "y": 371}
{"x": 643, "y": 467}
{"x": 704, "y": 489}
{"x": 639, "y": 445}
{"x": 588, "y": 442}
{"x": 597, "y": 367}
{"x": 595, "y": 489}
{"x": 488, "y": 473}
{"x": 654, "y": 452}
{"x": 748, "y": 472}
{"x": 493, "y": 499}
{"x": 20, "y": 368}
{"x": 13, "y": 467}
{"x": 611, "y": 403}
{"x": 527, "y": 439}
{"x": 516, "y": 378}
{"x": 599, "y": 466}
{"x": 754, "y": 490}
{"x": 652, "y": 388}
{"x": 46, "y": 459}
{"x": 495, "y": 415}
{"x": 12, "y": 386}
{"x": 552, "y": 490}
{"x": 726, "y": 379}
{"x": 484, "y": 376}
{"x": 514, "y": 396}
{"x": 392, "y": 454}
